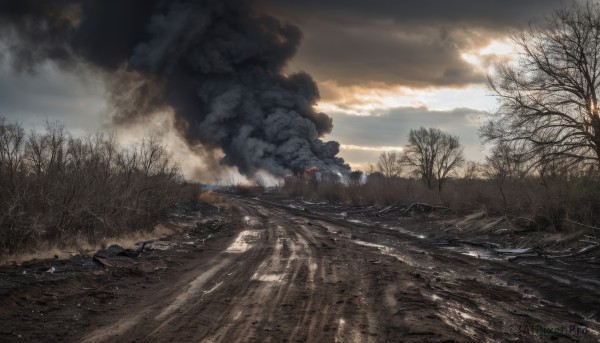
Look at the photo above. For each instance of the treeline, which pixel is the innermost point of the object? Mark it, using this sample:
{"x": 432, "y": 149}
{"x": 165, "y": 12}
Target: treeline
{"x": 554, "y": 194}
{"x": 553, "y": 199}
{"x": 56, "y": 189}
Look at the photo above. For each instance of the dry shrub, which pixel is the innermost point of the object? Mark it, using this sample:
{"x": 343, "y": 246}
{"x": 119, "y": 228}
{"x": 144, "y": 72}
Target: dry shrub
{"x": 553, "y": 203}
{"x": 191, "y": 190}
{"x": 209, "y": 198}
{"x": 248, "y": 190}
{"x": 48, "y": 250}
{"x": 212, "y": 198}
{"x": 61, "y": 190}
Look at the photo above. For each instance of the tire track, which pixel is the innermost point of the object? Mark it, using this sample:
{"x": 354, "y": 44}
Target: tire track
{"x": 287, "y": 277}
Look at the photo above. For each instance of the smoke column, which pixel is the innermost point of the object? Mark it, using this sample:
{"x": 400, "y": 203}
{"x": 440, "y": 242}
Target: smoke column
{"x": 217, "y": 63}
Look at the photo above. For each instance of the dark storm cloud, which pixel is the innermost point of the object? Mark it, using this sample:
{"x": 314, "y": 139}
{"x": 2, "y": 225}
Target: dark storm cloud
{"x": 217, "y": 63}
{"x": 51, "y": 95}
{"x": 413, "y": 43}
{"x": 489, "y": 13}
{"x": 423, "y": 58}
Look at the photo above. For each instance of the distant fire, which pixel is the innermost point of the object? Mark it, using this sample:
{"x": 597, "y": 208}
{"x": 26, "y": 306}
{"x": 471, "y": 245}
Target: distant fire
{"x": 312, "y": 173}
{"x": 311, "y": 170}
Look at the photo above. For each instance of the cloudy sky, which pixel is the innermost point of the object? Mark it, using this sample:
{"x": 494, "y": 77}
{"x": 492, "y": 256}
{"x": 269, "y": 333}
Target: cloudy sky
{"x": 387, "y": 66}
{"x": 383, "y": 67}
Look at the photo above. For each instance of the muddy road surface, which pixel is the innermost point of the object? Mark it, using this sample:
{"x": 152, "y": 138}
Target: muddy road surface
{"x": 285, "y": 275}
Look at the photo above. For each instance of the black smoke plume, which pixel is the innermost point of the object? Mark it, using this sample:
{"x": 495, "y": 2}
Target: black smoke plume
{"x": 217, "y": 63}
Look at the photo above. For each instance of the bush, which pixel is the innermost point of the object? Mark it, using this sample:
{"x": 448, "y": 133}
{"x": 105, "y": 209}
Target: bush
{"x": 564, "y": 196}
{"x": 58, "y": 189}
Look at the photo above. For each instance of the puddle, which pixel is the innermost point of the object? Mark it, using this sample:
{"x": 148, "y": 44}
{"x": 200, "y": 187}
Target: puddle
{"x": 251, "y": 221}
{"x": 314, "y": 203}
{"x": 475, "y": 252}
{"x": 244, "y": 241}
{"x": 387, "y": 251}
{"x": 161, "y": 245}
{"x": 407, "y": 232}
{"x": 213, "y": 288}
{"x": 356, "y": 221}
{"x": 339, "y": 335}
{"x": 267, "y": 277}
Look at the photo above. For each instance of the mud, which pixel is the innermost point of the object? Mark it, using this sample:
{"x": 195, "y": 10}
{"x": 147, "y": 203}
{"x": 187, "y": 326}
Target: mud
{"x": 270, "y": 273}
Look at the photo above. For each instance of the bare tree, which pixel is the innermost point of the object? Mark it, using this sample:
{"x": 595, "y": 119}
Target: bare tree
{"x": 389, "y": 164}
{"x": 356, "y": 177}
{"x": 12, "y": 142}
{"x": 506, "y": 165}
{"x": 450, "y": 157}
{"x": 433, "y": 155}
{"x": 368, "y": 168}
{"x": 548, "y": 99}
{"x": 472, "y": 171}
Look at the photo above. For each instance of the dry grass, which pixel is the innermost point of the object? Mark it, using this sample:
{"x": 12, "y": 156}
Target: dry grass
{"x": 50, "y": 250}
{"x": 213, "y": 198}
{"x": 549, "y": 204}
{"x": 248, "y": 190}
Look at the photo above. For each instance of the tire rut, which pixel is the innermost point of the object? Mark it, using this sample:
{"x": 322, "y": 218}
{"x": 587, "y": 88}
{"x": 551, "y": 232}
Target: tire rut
{"x": 286, "y": 277}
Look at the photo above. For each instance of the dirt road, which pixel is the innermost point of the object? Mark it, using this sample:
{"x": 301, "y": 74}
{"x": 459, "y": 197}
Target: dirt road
{"x": 284, "y": 275}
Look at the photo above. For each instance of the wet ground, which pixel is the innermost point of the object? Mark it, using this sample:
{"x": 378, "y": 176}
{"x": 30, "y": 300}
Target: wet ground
{"x": 265, "y": 271}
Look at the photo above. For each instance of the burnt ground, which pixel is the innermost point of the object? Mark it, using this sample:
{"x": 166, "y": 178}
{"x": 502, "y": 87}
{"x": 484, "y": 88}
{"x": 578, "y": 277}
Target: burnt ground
{"x": 267, "y": 270}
